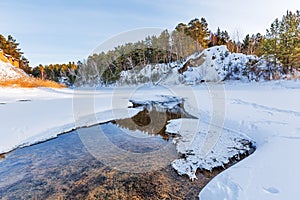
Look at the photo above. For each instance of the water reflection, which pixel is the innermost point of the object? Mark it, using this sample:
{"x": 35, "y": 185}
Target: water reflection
{"x": 62, "y": 168}
{"x": 150, "y": 122}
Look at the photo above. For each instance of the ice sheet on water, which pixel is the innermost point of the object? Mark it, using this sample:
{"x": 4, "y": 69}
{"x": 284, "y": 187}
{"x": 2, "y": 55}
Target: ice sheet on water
{"x": 161, "y": 102}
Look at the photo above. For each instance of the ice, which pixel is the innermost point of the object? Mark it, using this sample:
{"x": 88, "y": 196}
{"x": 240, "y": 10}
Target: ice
{"x": 51, "y": 112}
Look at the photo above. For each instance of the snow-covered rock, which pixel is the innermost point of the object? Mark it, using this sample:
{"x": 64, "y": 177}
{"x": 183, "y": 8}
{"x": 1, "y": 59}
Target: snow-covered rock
{"x": 211, "y": 65}
{"x": 147, "y": 74}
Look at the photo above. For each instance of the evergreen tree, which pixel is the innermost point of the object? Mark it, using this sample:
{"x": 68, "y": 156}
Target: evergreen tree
{"x": 198, "y": 30}
{"x": 271, "y": 42}
{"x": 219, "y": 38}
{"x": 258, "y": 41}
{"x": 246, "y": 45}
{"x": 289, "y": 39}
{"x": 11, "y": 48}
{"x": 282, "y": 41}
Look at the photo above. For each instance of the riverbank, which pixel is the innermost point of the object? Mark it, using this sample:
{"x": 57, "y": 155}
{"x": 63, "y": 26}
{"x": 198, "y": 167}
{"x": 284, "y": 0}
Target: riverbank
{"x": 267, "y": 113}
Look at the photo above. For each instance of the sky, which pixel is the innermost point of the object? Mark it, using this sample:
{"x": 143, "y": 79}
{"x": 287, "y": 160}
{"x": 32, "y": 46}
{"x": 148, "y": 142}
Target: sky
{"x": 59, "y": 31}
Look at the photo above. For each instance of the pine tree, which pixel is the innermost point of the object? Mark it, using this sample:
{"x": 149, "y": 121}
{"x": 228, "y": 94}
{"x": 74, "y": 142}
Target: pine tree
{"x": 204, "y": 33}
{"x": 289, "y": 39}
{"x": 282, "y": 41}
{"x": 258, "y": 41}
{"x": 271, "y": 42}
{"x": 219, "y": 38}
{"x": 198, "y": 30}
{"x": 225, "y": 37}
{"x": 11, "y": 48}
{"x": 246, "y": 45}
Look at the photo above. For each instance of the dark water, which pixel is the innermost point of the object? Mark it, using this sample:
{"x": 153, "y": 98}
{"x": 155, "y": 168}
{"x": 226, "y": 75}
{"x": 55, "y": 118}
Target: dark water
{"x": 63, "y": 168}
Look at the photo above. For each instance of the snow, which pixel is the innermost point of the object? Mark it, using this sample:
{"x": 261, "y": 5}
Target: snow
{"x": 161, "y": 103}
{"x": 212, "y": 65}
{"x": 8, "y": 71}
{"x": 49, "y": 112}
{"x": 193, "y": 134}
{"x": 267, "y": 113}
{"x": 149, "y": 73}
{"x": 219, "y": 64}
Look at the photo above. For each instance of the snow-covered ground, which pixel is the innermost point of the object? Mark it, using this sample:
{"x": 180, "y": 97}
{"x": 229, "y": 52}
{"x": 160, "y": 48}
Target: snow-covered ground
{"x": 267, "y": 113}
{"x": 8, "y": 71}
{"x": 29, "y": 116}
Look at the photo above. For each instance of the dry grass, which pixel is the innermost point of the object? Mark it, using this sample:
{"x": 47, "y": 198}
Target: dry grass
{"x": 29, "y": 82}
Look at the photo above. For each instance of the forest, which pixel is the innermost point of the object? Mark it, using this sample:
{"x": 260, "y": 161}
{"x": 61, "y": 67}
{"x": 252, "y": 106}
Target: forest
{"x": 280, "y": 45}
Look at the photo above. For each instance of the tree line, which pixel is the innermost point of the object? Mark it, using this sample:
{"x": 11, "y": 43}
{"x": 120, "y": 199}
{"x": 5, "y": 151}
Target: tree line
{"x": 280, "y": 45}
{"x": 282, "y": 41}
{"x": 63, "y": 73}
{"x": 55, "y": 72}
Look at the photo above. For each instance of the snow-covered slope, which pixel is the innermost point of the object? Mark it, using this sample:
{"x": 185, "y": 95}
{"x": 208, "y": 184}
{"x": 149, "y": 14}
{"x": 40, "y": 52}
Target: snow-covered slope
{"x": 213, "y": 64}
{"x": 8, "y": 71}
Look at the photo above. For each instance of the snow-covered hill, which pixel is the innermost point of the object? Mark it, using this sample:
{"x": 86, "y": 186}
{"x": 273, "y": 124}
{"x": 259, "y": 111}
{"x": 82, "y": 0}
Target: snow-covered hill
{"x": 213, "y": 64}
{"x": 8, "y": 71}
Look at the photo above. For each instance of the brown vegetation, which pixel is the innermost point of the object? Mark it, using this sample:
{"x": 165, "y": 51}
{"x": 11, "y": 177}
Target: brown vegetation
{"x": 29, "y": 82}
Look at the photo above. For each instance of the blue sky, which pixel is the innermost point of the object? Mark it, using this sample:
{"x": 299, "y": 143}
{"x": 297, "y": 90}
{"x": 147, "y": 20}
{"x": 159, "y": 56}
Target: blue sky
{"x": 59, "y": 31}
